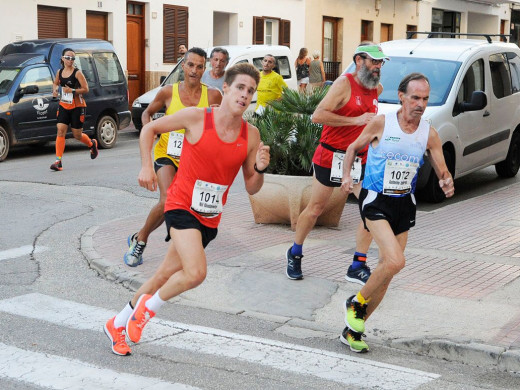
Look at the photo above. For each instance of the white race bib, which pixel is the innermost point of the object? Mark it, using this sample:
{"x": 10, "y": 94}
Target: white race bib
{"x": 67, "y": 97}
{"x": 175, "y": 141}
{"x": 336, "y": 170}
{"x": 398, "y": 177}
{"x": 356, "y": 170}
{"x": 207, "y": 198}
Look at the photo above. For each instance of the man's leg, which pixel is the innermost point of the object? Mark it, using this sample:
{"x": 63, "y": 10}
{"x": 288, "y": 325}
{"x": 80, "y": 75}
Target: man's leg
{"x": 137, "y": 242}
{"x": 320, "y": 195}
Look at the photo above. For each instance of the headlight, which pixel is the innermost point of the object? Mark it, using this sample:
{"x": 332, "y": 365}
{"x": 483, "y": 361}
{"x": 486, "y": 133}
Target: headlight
{"x": 136, "y": 103}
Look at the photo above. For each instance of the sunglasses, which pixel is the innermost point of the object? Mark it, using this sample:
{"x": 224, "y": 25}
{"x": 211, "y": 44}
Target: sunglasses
{"x": 69, "y": 58}
{"x": 374, "y": 62}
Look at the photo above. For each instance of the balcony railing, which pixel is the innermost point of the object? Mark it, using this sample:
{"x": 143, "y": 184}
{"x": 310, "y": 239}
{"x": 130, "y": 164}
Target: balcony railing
{"x": 332, "y": 70}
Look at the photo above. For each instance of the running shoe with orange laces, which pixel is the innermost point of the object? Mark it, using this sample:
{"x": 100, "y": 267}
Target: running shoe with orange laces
{"x": 138, "y": 319}
{"x": 117, "y": 336}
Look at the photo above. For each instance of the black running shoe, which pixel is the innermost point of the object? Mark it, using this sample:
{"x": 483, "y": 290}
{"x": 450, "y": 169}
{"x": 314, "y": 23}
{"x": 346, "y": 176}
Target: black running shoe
{"x": 57, "y": 166}
{"x": 94, "y": 149}
{"x": 294, "y": 266}
{"x": 359, "y": 275}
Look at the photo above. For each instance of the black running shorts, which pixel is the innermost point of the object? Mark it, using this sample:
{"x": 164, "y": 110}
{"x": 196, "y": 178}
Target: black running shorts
{"x": 399, "y": 211}
{"x": 161, "y": 162}
{"x": 183, "y": 219}
{"x": 75, "y": 117}
{"x": 323, "y": 175}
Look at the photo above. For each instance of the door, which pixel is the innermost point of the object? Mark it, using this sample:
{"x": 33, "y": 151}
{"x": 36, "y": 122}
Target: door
{"x": 135, "y": 50}
{"x": 34, "y": 115}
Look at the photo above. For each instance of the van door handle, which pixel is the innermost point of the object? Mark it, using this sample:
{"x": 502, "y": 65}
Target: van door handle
{"x": 133, "y": 77}
{"x": 486, "y": 113}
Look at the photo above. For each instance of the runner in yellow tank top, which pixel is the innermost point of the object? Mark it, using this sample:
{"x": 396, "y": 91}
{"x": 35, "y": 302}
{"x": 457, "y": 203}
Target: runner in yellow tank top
{"x": 170, "y": 144}
{"x": 188, "y": 93}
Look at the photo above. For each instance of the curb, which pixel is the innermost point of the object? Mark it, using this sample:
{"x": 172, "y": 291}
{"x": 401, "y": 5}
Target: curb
{"x": 469, "y": 353}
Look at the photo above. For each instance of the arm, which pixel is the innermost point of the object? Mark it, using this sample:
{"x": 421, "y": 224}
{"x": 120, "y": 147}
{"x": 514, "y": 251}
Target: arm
{"x": 322, "y": 71}
{"x": 158, "y": 102}
{"x": 258, "y": 154}
{"x": 337, "y": 96}
{"x": 373, "y": 130}
{"x": 56, "y": 84}
{"x": 439, "y": 165}
{"x": 379, "y": 89}
{"x": 214, "y": 97}
{"x": 83, "y": 85}
{"x": 183, "y": 119}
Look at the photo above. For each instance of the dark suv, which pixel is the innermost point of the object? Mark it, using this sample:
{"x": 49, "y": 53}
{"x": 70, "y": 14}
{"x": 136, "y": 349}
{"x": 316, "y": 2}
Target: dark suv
{"x": 27, "y": 108}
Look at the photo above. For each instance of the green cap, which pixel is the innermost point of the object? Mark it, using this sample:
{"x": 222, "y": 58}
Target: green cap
{"x": 373, "y": 51}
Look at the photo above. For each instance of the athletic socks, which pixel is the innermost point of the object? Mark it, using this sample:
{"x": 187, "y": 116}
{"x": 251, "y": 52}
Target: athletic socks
{"x": 123, "y": 316}
{"x": 86, "y": 140}
{"x": 60, "y": 147}
{"x": 359, "y": 298}
{"x": 297, "y": 250}
{"x": 155, "y": 302}
{"x": 359, "y": 260}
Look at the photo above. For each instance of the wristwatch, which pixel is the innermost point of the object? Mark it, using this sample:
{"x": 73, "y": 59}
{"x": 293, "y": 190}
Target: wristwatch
{"x": 73, "y": 90}
{"x": 260, "y": 171}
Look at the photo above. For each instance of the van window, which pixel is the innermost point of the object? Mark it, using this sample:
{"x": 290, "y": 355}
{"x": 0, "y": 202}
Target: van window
{"x": 6, "y": 78}
{"x": 500, "y": 76}
{"x": 108, "y": 68}
{"x": 38, "y": 76}
{"x": 473, "y": 81}
{"x": 283, "y": 66}
{"x": 514, "y": 67}
{"x": 84, "y": 63}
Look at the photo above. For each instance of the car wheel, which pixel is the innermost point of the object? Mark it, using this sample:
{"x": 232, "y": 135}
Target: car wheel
{"x": 432, "y": 192}
{"x": 509, "y": 167}
{"x": 5, "y": 142}
{"x": 106, "y": 132}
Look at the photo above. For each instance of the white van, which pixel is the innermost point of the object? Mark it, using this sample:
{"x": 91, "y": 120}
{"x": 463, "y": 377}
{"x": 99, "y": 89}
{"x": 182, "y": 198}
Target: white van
{"x": 252, "y": 54}
{"x": 474, "y": 102}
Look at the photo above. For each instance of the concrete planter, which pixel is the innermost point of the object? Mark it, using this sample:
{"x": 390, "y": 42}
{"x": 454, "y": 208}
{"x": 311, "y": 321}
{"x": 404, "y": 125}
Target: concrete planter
{"x": 283, "y": 198}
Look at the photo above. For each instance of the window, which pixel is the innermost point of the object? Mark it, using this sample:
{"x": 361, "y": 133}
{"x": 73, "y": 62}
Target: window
{"x": 38, "y": 76}
{"x": 6, "y": 78}
{"x": 500, "y": 76}
{"x": 328, "y": 41}
{"x": 445, "y": 21}
{"x": 134, "y": 9}
{"x": 175, "y": 31}
{"x": 411, "y": 28}
{"x": 282, "y": 67}
{"x": 367, "y": 30}
{"x": 108, "y": 69}
{"x": 268, "y": 32}
{"x": 514, "y": 67}
{"x": 271, "y": 31}
{"x": 473, "y": 81}
{"x": 84, "y": 63}
{"x": 387, "y": 32}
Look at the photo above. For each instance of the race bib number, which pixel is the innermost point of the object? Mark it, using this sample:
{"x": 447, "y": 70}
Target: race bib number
{"x": 336, "y": 170}
{"x": 67, "y": 97}
{"x": 356, "y": 170}
{"x": 398, "y": 177}
{"x": 207, "y": 198}
{"x": 175, "y": 141}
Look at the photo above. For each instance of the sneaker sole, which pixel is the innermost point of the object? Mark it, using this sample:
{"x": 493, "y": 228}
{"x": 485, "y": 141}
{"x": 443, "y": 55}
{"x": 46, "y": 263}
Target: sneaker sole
{"x": 353, "y": 280}
{"x": 112, "y": 341}
{"x": 286, "y": 273}
{"x": 131, "y": 265}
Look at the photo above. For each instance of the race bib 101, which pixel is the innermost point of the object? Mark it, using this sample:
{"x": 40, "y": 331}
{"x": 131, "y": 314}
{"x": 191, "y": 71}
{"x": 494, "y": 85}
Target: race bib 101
{"x": 206, "y": 198}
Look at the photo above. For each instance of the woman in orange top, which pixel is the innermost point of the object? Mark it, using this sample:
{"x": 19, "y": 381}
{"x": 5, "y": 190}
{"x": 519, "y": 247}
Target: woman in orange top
{"x": 72, "y": 106}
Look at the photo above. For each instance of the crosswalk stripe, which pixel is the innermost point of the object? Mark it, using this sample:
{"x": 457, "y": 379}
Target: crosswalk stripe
{"x": 20, "y": 251}
{"x": 56, "y": 372}
{"x": 346, "y": 369}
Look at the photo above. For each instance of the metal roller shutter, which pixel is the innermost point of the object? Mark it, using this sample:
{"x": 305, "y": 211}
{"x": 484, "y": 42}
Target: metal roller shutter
{"x": 52, "y": 22}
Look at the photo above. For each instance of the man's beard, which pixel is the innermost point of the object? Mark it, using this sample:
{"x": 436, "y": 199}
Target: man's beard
{"x": 366, "y": 78}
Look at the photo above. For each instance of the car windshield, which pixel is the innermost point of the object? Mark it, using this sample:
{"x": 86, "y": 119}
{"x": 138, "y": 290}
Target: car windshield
{"x": 6, "y": 79}
{"x": 440, "y": 73}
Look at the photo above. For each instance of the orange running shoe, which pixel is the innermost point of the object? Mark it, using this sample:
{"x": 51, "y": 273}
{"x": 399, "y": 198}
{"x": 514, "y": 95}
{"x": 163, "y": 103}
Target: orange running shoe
{"x": 138, "y": 319}
{"x": 117, "y": 336}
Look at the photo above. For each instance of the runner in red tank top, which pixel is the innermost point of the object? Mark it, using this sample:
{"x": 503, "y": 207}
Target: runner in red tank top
{"x": 348, "y": 106}
{"x": 217, "y": 143}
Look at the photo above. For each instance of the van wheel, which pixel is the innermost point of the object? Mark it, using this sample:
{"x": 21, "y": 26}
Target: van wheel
{"x": 106, "y": 132}
{"x": 5, "y": 142}
{"x": 432, "y": 192}
{"x": 509, "y": 167}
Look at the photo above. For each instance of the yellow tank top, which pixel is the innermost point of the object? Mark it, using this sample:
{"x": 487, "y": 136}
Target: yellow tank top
{"x": 161, "y": 146}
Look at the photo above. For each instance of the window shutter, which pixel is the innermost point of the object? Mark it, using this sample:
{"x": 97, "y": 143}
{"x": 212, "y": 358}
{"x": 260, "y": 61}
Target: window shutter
{"x": 52, "y": 22}
{"x": 258, "y": 30}
{"x": 285, "y": 33}
{"x": 175, "y": 31}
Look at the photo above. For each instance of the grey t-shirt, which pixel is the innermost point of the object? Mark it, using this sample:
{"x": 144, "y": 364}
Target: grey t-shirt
{"x": 208, "y": 80}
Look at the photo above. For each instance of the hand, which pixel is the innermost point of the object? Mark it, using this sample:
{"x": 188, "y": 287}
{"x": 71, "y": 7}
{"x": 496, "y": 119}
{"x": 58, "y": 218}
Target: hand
{"x": 262, "y": 156}
{"x": 147, "y": 179}
{"x": 67, "y": 89}
{"x": 447, "y": 186}
{"x": 347, "y": 185}
{"x": 365, "y": 118}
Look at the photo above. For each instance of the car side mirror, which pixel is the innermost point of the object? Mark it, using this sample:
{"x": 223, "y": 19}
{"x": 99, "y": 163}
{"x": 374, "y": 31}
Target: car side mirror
{"x": 162, "y": 79}
{"x": 478, "y": 102}
{"x": 30, "y": 89}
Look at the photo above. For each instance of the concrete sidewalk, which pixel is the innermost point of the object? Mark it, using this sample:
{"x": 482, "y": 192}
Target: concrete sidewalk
{"x": 458, "y": 297}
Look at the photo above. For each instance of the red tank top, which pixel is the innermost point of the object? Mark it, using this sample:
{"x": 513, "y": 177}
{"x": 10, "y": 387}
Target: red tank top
{"x": 206, "y": 171}
{"x": 361, "y": 100}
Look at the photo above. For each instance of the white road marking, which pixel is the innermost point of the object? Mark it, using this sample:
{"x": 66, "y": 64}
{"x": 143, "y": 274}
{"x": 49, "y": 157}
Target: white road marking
{"x": 21, "y": 251}
{"x": 342, "y": 368}
{"x": 56, "y": 372}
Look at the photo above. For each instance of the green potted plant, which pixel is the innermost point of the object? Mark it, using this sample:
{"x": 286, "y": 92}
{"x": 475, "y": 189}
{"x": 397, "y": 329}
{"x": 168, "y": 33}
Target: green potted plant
{"x": 286, "y": 126}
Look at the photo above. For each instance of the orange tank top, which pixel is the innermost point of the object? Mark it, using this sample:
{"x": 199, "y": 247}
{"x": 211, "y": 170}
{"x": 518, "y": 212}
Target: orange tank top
{"x": 206, "y": 171}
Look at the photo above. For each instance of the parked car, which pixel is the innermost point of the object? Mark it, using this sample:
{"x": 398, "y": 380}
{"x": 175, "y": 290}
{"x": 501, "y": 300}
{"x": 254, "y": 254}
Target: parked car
{"x": 27, "y": 108}
{"x": 252, "y": 54}
{"x": 474, "y": 102}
